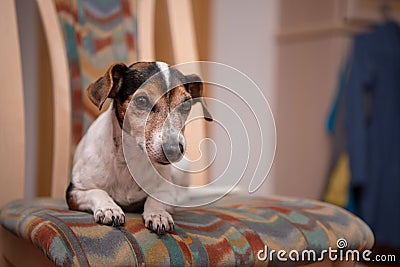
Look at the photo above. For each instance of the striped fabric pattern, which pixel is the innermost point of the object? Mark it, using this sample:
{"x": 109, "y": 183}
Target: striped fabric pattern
{"x": 96, "y": 34}
{"x": 228, "y": 233}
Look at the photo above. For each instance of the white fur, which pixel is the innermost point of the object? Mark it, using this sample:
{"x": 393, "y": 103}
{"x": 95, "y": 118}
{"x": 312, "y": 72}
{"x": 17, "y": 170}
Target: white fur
{"x": 165, "y": 72}
{"x": 101, "y": 177}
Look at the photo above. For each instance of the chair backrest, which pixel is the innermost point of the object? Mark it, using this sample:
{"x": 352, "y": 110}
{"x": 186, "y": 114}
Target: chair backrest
{"x": 63, "y": 79}
{"x": 12, "y": 133}
{"x": 85, "y": 37}
{"x": 61, "y": 98}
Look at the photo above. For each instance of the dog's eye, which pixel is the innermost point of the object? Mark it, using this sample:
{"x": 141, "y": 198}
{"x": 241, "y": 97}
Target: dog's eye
{"x": 142, "y": 102}
{"x": 186, "y": 106}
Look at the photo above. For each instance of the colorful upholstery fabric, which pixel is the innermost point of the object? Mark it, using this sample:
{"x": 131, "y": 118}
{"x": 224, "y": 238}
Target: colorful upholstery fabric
{"x": 229, "y": 233}
{"x": 96, "y": 34}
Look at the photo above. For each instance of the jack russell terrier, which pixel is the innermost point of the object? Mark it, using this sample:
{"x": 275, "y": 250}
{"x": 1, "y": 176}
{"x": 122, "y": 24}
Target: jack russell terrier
{"x": 159, "y": 99}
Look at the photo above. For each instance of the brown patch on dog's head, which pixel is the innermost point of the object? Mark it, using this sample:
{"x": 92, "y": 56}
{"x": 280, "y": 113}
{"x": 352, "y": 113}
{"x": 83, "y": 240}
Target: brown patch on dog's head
{"x": 108, "y": 85}
{"x": 196, "y": 89}
{"x": 179, "y": 96}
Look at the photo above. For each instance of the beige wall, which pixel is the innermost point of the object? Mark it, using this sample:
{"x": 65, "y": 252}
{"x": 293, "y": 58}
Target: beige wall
{"x": 307, "y": 74}
{"x": 292, "y": 50}
{"x": 242, "y": 36}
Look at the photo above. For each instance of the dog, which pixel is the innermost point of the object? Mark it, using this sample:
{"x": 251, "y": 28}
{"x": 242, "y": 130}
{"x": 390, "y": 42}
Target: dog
{"x": 159, "y": 98}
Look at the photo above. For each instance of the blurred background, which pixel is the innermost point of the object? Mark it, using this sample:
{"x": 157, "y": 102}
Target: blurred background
{"x": 329, "y": 70}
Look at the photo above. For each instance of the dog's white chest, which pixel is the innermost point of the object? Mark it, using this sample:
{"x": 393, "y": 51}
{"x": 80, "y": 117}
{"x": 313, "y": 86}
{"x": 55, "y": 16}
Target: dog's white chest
{"x": 125, "y": 191}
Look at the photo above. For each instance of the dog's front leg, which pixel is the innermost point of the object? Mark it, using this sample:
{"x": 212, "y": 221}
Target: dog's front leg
{"x": 156, "y": 216}
{"x": 104, "y": 209}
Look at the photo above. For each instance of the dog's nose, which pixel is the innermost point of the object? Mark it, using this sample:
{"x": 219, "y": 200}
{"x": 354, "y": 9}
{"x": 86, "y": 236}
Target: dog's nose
{"x": 173, "y": 151}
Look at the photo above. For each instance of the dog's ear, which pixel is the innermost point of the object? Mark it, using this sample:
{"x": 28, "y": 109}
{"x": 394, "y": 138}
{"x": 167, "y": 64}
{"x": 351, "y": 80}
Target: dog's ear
{"x": 195, "y": 88}
{"x": 108, "y": 85}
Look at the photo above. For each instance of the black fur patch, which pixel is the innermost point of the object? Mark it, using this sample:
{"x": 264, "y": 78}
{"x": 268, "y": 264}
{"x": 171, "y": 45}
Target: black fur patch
{"x": 137, "y": 207}
{"x": 70, "y": 199}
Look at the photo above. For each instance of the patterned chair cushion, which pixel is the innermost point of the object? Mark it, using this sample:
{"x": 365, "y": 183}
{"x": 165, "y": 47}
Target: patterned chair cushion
{"x": 229, "y": 232}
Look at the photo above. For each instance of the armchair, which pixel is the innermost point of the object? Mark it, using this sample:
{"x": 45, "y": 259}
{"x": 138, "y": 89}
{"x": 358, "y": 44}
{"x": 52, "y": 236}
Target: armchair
{"x": 43, "y": 232}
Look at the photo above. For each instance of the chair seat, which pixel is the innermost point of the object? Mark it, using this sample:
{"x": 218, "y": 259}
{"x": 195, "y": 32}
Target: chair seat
{"x": 229, "y": 232}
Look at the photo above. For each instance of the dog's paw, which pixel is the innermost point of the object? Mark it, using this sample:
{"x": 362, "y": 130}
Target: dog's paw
{"x": 158, "y": 221}
{"x": 112, "y": 215}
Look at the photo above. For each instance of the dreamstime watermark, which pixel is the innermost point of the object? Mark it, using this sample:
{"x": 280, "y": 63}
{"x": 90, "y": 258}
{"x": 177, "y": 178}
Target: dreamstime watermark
{"x": 242, "y": 114}
{"x": 340, "y": 253}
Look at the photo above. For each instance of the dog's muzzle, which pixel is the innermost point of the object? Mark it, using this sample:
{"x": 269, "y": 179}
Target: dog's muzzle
{"x": 167, "y": 147}
{"x": 173, "y": 151}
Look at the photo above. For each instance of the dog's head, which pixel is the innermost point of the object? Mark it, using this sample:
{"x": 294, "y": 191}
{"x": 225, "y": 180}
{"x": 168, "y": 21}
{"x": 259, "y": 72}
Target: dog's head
{"x": 159, "y": 98}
